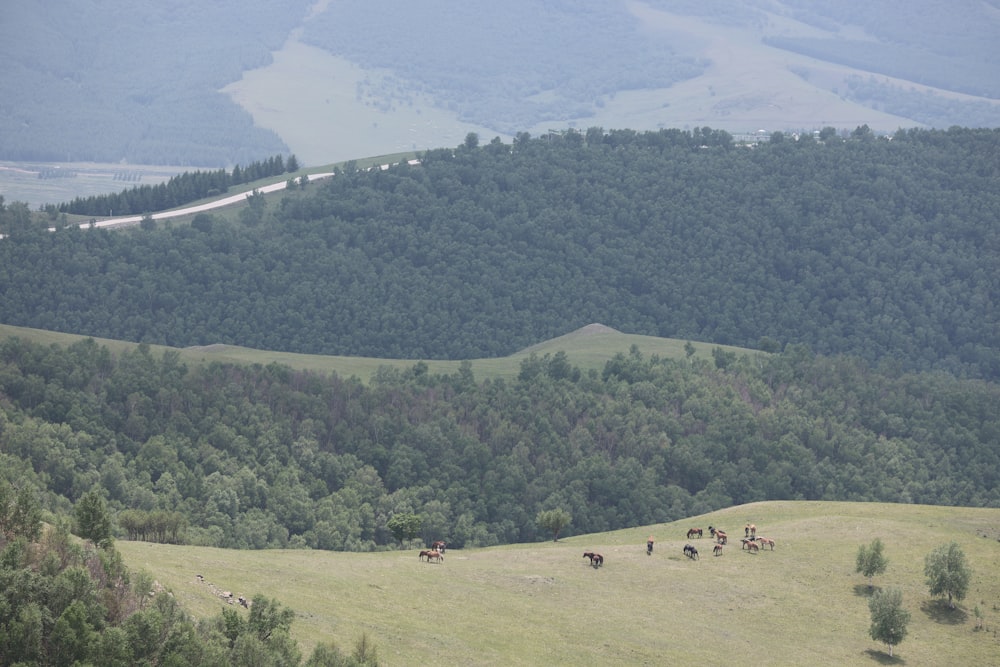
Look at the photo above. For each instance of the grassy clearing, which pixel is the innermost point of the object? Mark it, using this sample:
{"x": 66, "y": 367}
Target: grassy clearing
{"x": 541, "y": 603}
{"x": 20, "y": 182}
{"x": 584, "y": 348}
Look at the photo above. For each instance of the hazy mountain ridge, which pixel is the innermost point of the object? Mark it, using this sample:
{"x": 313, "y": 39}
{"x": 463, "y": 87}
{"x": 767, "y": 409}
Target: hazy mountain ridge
{"x": 141, "y": 82}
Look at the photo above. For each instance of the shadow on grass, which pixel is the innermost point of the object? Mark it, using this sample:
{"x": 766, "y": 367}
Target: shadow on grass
{"x": 883, "y": 658}
{"x": 939, "y": 612}
{"x": 863, "y": 591}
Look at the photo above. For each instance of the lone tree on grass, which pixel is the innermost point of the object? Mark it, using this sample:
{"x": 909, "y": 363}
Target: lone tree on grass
{"x": 871, "y": 561}
{"x": 554, "y": 521}
{"x": 947, "y": 572}
{"x": 889, "y": 619}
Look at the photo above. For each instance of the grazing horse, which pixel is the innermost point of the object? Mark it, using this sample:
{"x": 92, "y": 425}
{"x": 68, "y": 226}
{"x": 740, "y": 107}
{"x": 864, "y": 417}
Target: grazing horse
{"x": 690, "y": 552}
{"x": 649, "y": 546}
{"x": 435, "y": 555}
{"x": 596, "y": 560}
{"x": 695, "y": 531}
{"x": 717, "y": 550}
{"x": 721, "y": 537}
{"x": 752, "y": 547}
{"x": 438, "y": 546}
{"x": 745, "y": 541}
{"x": 766, "y": 541}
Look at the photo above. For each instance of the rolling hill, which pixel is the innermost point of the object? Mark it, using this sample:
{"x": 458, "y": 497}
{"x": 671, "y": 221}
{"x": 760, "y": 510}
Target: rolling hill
{"x": 532, "y": 604}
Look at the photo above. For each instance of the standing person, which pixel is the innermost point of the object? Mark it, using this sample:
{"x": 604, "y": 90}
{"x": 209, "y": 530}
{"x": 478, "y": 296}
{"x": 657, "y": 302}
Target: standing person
{"x": 649, "y": 546}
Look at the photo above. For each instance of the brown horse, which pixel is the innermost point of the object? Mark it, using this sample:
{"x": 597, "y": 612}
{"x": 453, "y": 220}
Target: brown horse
{"x": 766, "y": 541}
{"x": 752, "y": 547}
{"x": 695, "y": 531}
{"x": 435, "y": 555}
{"x": 596, "y": 560}
{"x": 717, "y": 550}
{"x": 721, "y": 537}
{"x": 438, "y": 546}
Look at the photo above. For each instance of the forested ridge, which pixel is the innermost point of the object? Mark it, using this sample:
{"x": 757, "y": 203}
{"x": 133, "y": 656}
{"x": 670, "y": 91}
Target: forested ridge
{"x": 250, "y": 456}
{"x": 884, "y": 248}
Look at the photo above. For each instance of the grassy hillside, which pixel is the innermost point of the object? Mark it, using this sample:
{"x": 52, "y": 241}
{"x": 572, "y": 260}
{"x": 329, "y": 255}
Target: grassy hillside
{"x": 587, "y": 348}
{"x": 534, "y": 604}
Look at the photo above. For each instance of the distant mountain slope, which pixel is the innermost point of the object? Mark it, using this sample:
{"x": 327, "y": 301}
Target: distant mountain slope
{"x": 137, "y": 82}
{"x": 333, "y": 81}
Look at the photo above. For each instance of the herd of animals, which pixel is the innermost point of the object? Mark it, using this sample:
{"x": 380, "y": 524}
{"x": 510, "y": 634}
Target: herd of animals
{"x": 752, "y": 543}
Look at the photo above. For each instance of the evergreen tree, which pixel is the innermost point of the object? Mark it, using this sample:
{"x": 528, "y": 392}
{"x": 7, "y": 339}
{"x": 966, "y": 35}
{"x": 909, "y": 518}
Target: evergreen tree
{"x": 92, "y": 519}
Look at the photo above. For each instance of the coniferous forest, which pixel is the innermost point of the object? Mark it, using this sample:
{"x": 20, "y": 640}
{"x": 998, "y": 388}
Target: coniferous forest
{"x": 884, "y": 248}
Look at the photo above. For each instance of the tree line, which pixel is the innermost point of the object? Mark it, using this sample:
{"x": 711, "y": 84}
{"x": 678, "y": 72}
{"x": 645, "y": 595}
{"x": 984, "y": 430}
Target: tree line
{"x": 877, "y": 247}
{"x": 179, "y": 190}
{"x": 264, "y": 456}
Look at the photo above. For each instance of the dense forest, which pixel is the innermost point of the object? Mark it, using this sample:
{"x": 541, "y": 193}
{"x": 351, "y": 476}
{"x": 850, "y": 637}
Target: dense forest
{"x": 880, "y": 247}
{"x": 264, "y": 456}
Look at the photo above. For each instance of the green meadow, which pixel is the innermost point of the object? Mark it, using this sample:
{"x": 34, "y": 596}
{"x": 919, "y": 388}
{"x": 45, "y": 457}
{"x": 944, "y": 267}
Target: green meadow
{"x": 542, "y": 604}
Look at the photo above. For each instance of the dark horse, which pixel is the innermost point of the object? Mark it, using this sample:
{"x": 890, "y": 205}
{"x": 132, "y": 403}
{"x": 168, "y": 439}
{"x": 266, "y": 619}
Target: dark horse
{"x": 438, "y": 546}
{"x": 596, "y": 560}
{"x": 690, "y": 552}
{"x": 695, "y": 531}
